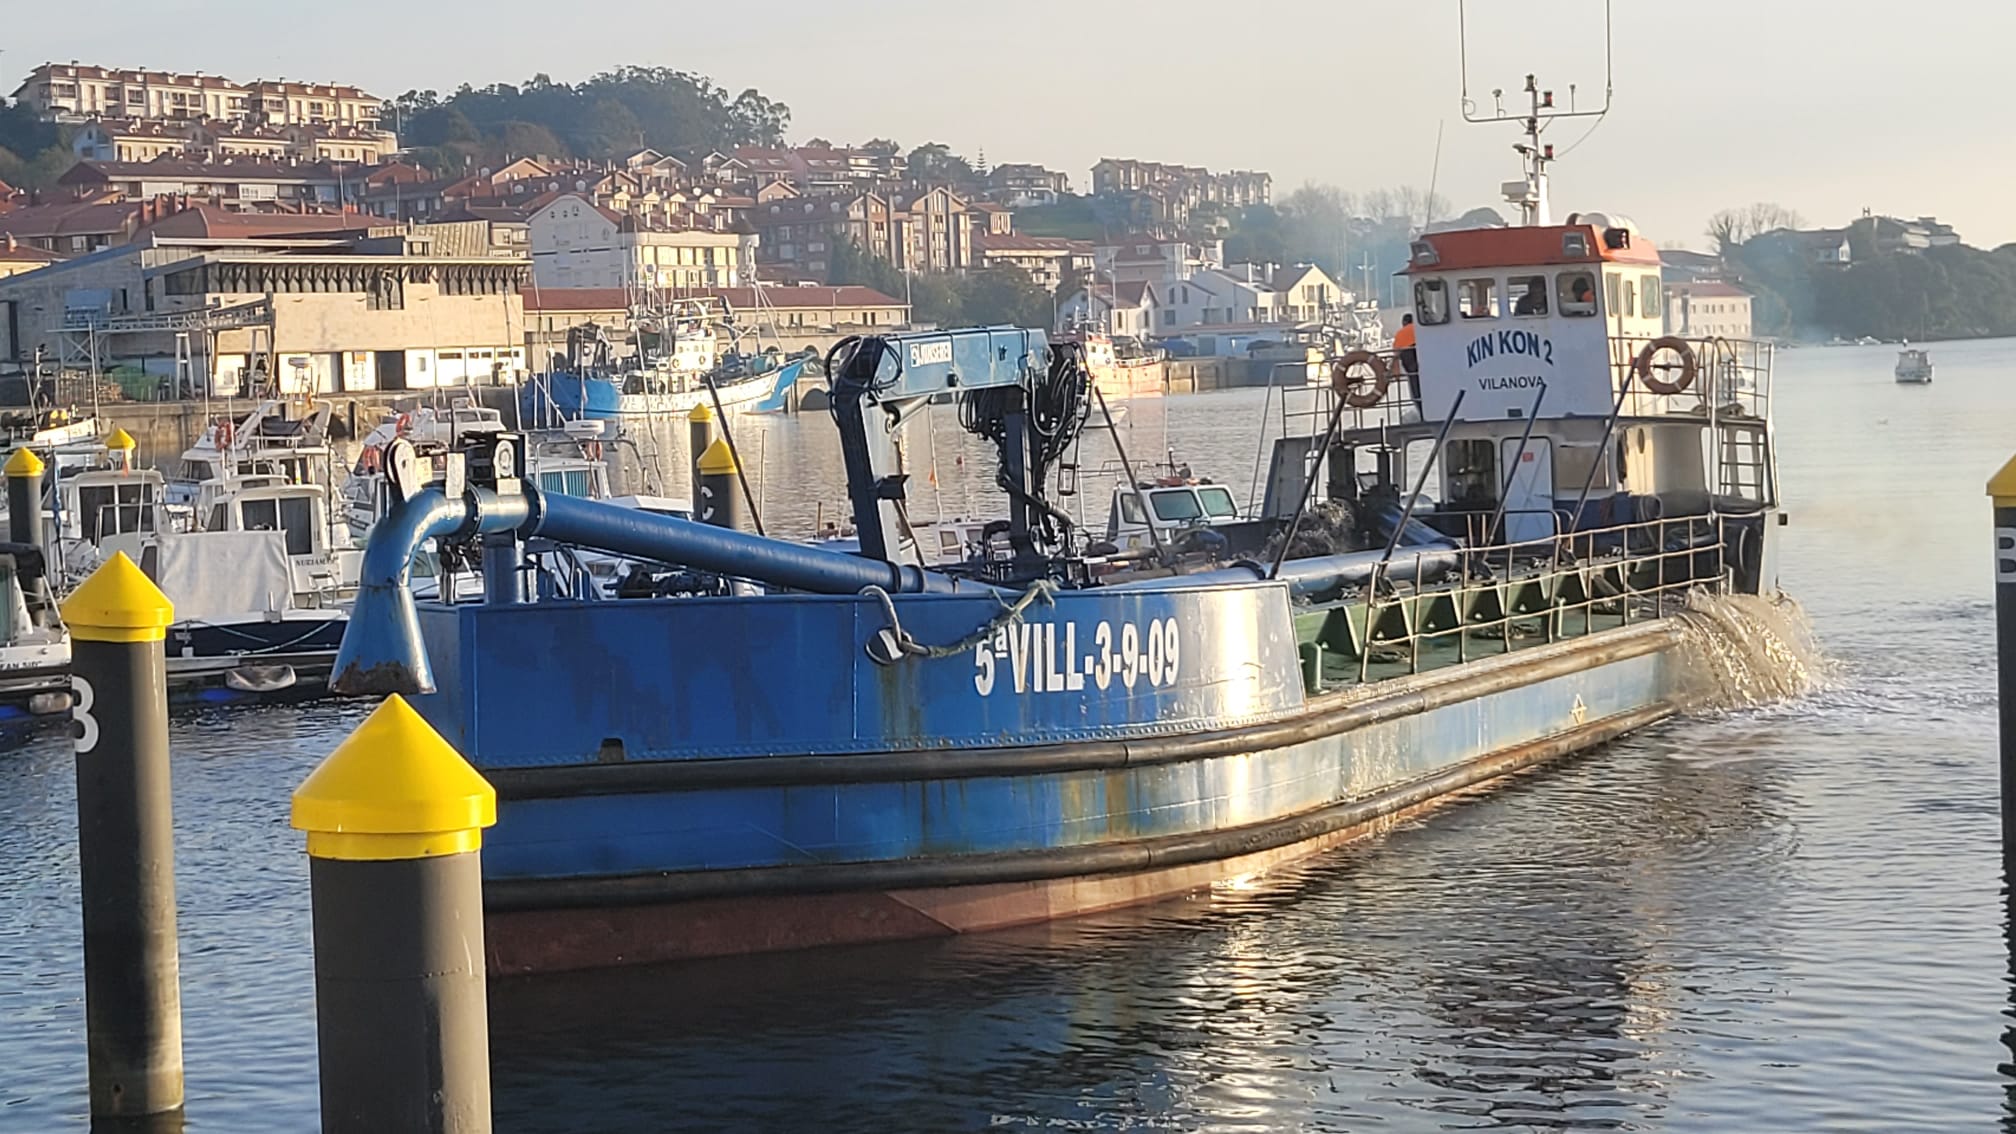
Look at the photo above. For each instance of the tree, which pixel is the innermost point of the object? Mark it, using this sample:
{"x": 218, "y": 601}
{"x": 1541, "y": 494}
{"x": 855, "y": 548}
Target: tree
{"x": 847, "y": 264}
{"x": 936, "y": 298}
{"x": 935, "y": 162}
{"x": 23, "y": 132}
{"x": 1006, "y": 295}
{"x": 1733, "y": 227}
{"x": 608, "y": 130}
{"x": 440, "y": 126}
{"x": 528, "y": 139}
{"x": 758, "y": 121}
{"x": 882, "y": 146}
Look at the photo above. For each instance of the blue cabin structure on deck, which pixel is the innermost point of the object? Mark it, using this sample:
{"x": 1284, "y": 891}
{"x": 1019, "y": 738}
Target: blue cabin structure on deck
{"x": 774, "y": 745}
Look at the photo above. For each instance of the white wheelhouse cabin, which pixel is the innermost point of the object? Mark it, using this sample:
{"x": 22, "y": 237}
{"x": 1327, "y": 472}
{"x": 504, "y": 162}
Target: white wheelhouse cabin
{"x": 1547, "y": 401}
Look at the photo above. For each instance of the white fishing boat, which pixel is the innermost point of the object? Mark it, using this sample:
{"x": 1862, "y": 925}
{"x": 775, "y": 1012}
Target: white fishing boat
{"x": 269, "y": 441}
{"x": 259, "y": 575}
{"x": 1914, "y": 367}
{"x": 1123, "y": 367}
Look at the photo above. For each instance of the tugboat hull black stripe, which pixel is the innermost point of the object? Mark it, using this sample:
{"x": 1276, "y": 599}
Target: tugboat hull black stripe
{"x": 1480, "y": 679}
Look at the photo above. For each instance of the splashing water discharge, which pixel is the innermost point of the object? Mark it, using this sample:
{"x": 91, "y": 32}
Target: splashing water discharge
{"x": 1746, "y": 650}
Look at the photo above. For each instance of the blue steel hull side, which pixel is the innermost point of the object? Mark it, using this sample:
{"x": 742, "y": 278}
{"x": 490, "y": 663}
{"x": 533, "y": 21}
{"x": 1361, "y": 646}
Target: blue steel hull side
{"x": 555, "y": 682}
{"x": 749, "y": 827}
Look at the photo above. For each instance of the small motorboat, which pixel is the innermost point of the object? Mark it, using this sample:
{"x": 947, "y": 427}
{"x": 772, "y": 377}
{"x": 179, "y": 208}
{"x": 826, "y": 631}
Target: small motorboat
{"x": 1914, "y": 367}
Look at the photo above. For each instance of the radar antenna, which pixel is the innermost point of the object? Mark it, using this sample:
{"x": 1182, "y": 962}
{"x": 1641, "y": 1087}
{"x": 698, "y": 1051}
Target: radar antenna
{"x": 1530, "y": 192}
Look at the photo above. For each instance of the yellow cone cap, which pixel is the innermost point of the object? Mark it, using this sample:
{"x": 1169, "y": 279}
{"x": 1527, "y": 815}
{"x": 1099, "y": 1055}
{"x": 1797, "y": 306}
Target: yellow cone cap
{"x": 700, "y": 413}
{"x": 395, "y": 789}
{"x": 24, "y": 462}
{"x": 118, "y": 603}
{"x": 121, "y": 439}
{"x": 717, "y": 460}
{"x": 2002, "y": 486}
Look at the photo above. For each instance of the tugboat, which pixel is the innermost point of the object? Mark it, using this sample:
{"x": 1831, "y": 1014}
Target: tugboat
{"x": 1454, "y": 576}
{"x": 1914, "y": 367}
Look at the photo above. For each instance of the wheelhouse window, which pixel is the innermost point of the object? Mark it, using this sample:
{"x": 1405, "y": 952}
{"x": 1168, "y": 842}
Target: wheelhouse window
{"x": 1651, "y": 296}
{"x": 1477, "y": 299}
{"x": 112, "y": 509}
{"x": 1529, "y": 294}
{"x": 1176, "y": 505}
{"x": 292, "y": 515}
{"x": 1431, "y": 301}
{"x": 1217, "y": 501}
{"x": 566, "y": 482}
{"x": 1473, "y": 475}
{"x": 1577, "y": 293}
{"x": 1630, "y": 298}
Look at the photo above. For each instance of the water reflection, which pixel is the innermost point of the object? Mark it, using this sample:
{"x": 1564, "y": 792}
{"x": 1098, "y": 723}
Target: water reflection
{"x": 1494, "y": 966}
{"x": 1778, "y": 920}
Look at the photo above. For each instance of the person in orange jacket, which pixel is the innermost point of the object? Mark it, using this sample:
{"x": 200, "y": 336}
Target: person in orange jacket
{"x": 1403, "y": 353}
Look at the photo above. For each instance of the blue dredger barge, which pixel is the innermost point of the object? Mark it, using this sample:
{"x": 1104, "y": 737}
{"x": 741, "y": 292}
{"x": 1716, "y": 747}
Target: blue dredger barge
{"x": 787, "y": 746}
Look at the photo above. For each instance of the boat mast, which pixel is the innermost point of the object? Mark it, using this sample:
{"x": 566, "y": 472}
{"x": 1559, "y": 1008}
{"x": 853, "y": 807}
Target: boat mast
{"x": 1530, "y": 193}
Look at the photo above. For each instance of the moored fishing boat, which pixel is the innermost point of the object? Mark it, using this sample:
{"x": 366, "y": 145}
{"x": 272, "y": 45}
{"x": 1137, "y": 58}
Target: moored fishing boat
{"x": 1120, "y": 368}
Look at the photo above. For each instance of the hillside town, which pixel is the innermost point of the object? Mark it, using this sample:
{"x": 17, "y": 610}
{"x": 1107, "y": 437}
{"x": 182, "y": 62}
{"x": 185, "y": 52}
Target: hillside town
{"x": 202, "y": 220}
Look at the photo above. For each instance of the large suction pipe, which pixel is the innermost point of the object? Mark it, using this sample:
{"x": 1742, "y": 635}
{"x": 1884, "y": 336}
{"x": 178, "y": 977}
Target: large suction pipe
{"x": 382, "y": 652}
{"x": 1320, "y": 578}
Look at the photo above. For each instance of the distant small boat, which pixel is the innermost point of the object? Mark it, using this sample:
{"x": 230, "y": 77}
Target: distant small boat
{"x": 1914, "y": 367}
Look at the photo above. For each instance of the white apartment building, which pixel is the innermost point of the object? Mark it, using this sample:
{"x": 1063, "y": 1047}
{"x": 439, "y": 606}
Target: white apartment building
{"x": 73, "y": 92}
{"x": 1708, "y": 309}
{"x": 576, "y": 243}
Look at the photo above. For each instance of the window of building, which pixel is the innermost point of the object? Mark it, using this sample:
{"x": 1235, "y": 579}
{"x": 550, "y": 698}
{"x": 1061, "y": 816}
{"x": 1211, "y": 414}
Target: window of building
{"x": 1477, "y": 299}
{"x": 1576, "y": 292}
{"x": 1431, "y": 301}
{"x": 1528, "y": 294}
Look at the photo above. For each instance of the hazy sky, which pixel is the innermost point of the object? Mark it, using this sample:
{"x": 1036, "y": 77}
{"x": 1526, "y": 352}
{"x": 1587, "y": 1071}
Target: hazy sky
{"x": 1825, "y": 107}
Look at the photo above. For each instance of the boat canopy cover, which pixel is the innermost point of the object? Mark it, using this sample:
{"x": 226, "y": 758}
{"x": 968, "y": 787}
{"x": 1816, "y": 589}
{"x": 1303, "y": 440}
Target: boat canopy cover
{"x": 225, "y": 576}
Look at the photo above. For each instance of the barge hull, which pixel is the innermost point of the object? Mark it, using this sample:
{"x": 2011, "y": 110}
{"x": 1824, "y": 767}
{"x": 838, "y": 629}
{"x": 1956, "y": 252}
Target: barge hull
{"x": 1380, "y": 744}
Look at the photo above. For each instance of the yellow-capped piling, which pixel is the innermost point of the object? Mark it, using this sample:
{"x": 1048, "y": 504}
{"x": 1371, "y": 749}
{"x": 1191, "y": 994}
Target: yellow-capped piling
{"x": 395, "y": 820}
{"x": 126, "y": 840}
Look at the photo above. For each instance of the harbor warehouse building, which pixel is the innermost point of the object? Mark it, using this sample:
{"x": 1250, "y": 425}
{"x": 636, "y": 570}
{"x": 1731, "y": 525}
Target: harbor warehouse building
{"x": 392, "y": 308}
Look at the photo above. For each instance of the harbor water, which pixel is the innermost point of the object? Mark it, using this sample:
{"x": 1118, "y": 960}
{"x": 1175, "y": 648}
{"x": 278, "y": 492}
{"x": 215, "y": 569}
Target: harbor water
{"x": 1780, "y": 918}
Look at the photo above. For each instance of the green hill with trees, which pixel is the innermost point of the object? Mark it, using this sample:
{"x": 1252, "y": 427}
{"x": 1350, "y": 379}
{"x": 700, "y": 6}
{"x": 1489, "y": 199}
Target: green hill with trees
{"x": 1885, "y": 291}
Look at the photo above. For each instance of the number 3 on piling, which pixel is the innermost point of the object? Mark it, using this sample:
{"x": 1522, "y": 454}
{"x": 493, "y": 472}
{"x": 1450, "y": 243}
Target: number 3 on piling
{"x": 80, "y": 714}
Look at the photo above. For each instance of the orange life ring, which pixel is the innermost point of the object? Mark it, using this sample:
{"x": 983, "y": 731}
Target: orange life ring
{"x": 1690, "y": 366}
{"x": 404, "y": 424}
{"x": 1354, "y": 390}
{"x": 592, "y": 450}
{"x": 224, "y": 434}
{"x": 370, "y": 459}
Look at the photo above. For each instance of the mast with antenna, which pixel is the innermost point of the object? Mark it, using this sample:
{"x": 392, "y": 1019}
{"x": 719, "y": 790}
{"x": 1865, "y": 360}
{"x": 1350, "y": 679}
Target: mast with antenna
{"x": 1530, "y": 193}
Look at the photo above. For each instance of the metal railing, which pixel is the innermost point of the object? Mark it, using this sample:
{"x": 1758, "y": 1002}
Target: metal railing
{"x": 1732, "y": 381}
{"x": 1568, "y": 585}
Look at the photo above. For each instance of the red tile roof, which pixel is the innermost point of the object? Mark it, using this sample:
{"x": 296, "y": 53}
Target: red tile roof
{"x": 1016, "y": 242}
{"x": 1710, "y": 289}
{"x": 210, "y": 221}
{"x": 70, "y": 218}
{"x": 182, "y": 169}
